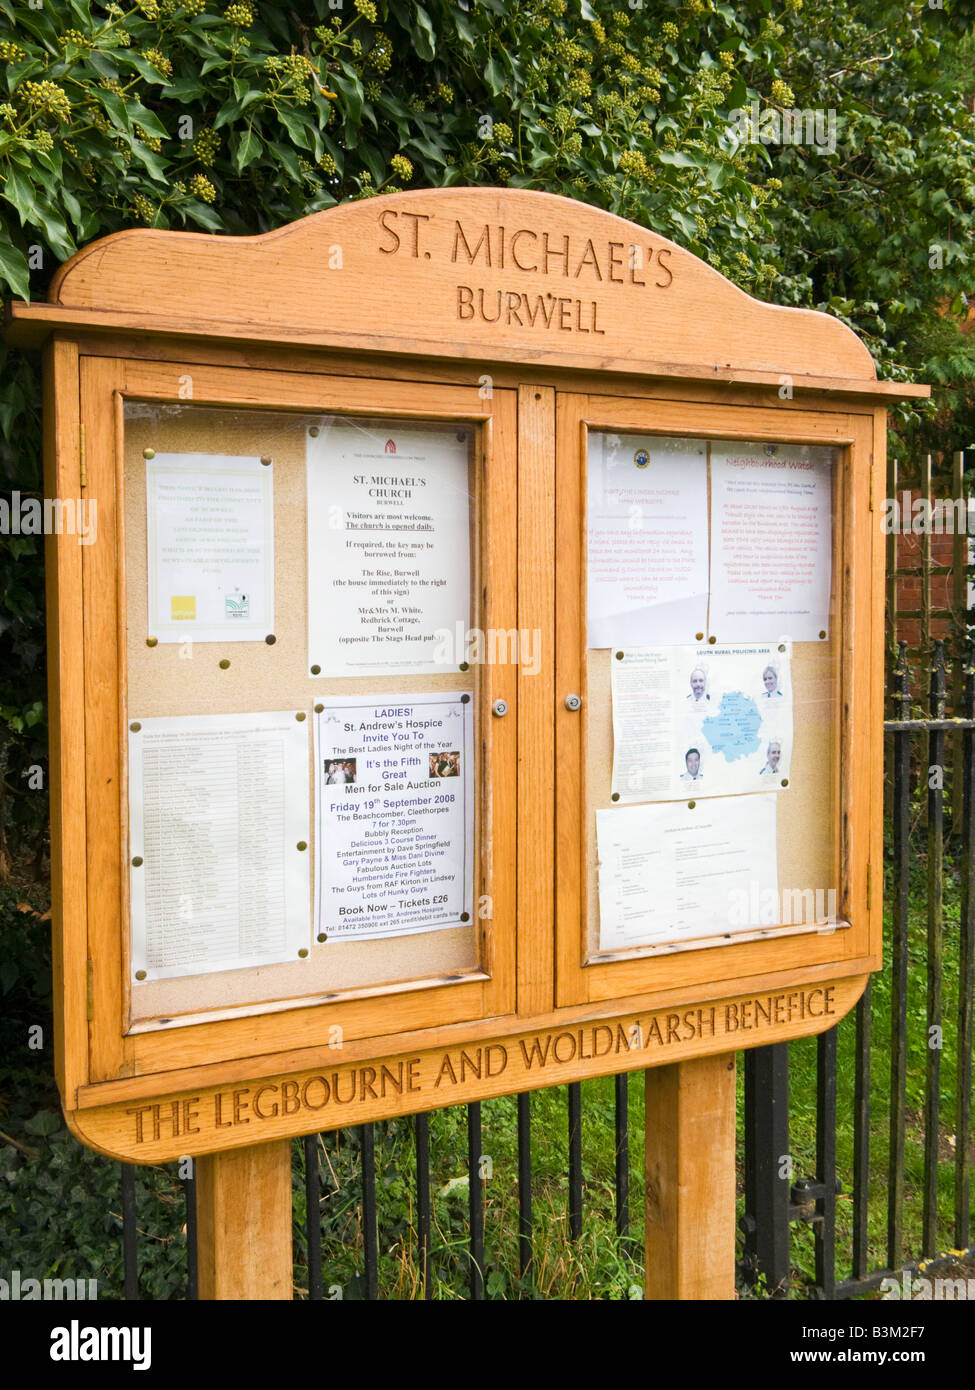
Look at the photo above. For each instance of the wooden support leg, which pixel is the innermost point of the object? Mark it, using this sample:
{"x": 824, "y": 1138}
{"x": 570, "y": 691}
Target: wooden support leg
{"x": 690, "y": 1197}
{"x": 243, "y": 1212}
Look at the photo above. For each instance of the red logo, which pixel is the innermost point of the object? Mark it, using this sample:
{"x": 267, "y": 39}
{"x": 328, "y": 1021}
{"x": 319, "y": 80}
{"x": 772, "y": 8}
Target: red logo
{"x": 390, "y": 446}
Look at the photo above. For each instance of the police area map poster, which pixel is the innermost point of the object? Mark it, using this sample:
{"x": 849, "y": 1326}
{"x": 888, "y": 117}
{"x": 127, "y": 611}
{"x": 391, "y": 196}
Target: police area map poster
{"x": 699, "y": 721}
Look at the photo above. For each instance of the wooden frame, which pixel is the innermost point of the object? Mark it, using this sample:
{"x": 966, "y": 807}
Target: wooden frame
{"x": 105, "y": 384}
{"x": 541, "y": 1010}
{"x": 586, "y": 976}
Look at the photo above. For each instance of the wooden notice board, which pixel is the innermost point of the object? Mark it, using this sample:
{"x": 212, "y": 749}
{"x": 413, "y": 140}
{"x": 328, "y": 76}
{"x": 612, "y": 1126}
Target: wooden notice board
{"x": 366, "y": 799}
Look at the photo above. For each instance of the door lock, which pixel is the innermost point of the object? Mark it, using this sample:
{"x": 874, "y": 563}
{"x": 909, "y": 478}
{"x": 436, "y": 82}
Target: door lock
{"x": 573, "y": 702}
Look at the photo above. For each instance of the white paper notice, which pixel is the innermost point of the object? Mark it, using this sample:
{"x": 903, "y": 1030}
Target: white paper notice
{"x": 389, "y": 536}
{"x": 395, "y": 794}
{"x": 701, "y": 721}
{"x": 211, "y": 548}
{"x": 648, "y": 539}
{"x": 218, "y": 805}
{"x": 771, "y": 541}
{"x": 670, "y": 874}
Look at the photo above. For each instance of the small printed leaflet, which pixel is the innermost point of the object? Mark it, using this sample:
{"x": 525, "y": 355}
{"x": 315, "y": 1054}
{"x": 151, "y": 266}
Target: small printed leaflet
{"x": 673, "y": 873}
{"x": 218, "y": 815}
{"x": 210, "y": 529}
{"x": 771, "y": 541}
{"x": 389, "y": 542}
{"x": 395, "y": 794}
{"x": 647, "y": 539}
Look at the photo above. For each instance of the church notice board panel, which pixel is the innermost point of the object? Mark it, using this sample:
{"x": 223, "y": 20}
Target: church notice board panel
{"x": 393, "y": 762}
{"x": 276, "y": 789}
{"x": 723, "y": 725}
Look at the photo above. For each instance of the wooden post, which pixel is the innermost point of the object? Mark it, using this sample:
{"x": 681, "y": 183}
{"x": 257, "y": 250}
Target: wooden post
{"x": 243, "y": 1212}
{"x": 690, "y": 1195}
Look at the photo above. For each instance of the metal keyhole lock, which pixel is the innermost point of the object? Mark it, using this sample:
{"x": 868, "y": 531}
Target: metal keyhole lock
{"x": 500, "y": 707}
{"x": 573, "y": 702}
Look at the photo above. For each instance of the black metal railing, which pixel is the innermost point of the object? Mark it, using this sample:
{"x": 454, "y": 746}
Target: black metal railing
{"x": 919, "y": 801}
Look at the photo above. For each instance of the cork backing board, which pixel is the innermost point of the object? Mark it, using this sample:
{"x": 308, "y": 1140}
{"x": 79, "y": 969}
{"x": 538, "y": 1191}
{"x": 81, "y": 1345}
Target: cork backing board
{"x": 806, "y": 812}
{"x": 263, "y": 677}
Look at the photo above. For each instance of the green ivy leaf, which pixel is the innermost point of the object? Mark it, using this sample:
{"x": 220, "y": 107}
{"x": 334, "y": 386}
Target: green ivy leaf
{"x": 373, "y": 161}
{"x": 17, "y": 190}
{"x": 248, "y": 148}
{"x": 55, "y": 230}
{"x": 495, "y": 75}
{"x": 101, "y": 63}
{"x": 73, "y": 207}
{"x": 116, "y": 109}
{"x": 152, "y": 161}
{"x": 145, "y": 69}
{"x": 183, "y": 90}
{"x": 350, "y": 89}
{"x": 286, "y": 157}
{"x": 203, "y": 214}
{"x": 149, "y": 122}
{"x": 13, "y": 269}
{"x": 424, "y": 39}
{"x": 463, "y": 26}
{"x": 297, "y": 126}
{"x": 678, "y": 158}
{"x": 43, "y": 1124}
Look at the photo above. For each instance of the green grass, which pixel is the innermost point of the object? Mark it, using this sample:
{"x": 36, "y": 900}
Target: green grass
{"x": 594, "y": 1267}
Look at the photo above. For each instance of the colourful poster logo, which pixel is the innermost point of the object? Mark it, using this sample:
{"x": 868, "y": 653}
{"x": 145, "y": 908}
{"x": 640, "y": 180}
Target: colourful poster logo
{"x": 182, "y": 608}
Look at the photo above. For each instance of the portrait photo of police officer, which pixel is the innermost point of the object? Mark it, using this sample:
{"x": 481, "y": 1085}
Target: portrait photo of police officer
{"x": 773, "y": 755}
{"x": 770, "y": 680}
{"x": 692, "y": 766}
{"x": 699, "y": 695}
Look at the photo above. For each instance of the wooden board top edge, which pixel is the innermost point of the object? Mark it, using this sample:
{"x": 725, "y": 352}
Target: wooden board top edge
{"x": 421, "y": 263}
{"x": 29, "y": 326}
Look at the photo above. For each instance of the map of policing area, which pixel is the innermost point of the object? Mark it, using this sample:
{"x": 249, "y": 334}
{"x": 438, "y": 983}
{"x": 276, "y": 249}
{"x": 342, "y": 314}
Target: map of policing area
{"x": 693, "y": 721}
{"x": 734, "y": 730}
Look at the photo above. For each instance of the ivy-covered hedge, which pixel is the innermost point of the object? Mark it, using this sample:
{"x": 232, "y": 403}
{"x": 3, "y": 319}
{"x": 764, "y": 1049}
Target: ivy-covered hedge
{"x": 238, "y": 118}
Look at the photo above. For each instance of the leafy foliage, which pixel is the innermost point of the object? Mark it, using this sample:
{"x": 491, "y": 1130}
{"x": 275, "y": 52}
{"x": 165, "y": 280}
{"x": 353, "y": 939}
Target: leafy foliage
{"x": 61, "y": 1214}
{"x": 170, "y": 115}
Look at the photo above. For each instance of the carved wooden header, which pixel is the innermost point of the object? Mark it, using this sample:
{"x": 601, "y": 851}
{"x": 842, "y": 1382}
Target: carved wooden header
{"x": 474, "y": 273}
